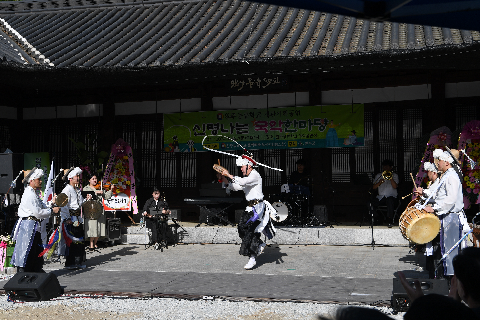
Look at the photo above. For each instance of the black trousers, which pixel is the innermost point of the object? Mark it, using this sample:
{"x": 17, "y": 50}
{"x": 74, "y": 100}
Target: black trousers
{"x": 390, "y": 202}
{"x": 158, "y": 227}
{"x": 250, "y": 239}
{"x": 76, "y": 252}
{"x": 34, "y": 263}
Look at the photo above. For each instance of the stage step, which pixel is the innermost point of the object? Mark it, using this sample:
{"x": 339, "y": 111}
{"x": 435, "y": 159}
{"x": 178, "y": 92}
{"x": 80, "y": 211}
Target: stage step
{"x": 285, "y": 235}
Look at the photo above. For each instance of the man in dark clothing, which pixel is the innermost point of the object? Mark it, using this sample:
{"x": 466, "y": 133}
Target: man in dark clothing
{"x": 299, "y": 181}
{"x": 154, "y": 223}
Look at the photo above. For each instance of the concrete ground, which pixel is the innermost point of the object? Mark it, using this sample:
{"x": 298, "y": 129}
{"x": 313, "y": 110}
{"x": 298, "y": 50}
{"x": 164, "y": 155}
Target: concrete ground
{"x": 335, "y": 274}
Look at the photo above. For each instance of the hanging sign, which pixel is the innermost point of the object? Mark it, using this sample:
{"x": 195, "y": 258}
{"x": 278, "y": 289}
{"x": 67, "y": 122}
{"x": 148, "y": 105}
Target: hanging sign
{"x": 274, "y": 128}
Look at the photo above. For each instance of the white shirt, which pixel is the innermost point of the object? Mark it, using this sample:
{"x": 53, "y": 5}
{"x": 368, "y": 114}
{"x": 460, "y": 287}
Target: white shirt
{"x": 449, "y": 197}
{"x": 386, "y": 189}
{"x": 251, "y": 185}
{"x": 432, "y": 188}
{"x": 32, "y": 205}
{"x": 75, "y": 200}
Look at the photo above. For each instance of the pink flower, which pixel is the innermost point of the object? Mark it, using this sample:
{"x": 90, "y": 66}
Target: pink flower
{"x": 469, "y": 190}
{"x": 475, "y": 191}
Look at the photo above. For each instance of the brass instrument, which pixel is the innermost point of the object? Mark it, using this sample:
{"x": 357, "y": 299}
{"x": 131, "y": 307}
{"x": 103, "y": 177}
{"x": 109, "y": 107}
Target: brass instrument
{"x": 387, "y": 175}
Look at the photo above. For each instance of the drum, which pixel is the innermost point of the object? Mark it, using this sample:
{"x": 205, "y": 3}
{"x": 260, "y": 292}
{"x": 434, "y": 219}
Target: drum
{"x": 92, "y": 209}
{"x": 419, "y": 226}
{"x": 281, "y": 212}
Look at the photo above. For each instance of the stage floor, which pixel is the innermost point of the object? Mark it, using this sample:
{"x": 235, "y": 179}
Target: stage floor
{"x": 327, "y": 274}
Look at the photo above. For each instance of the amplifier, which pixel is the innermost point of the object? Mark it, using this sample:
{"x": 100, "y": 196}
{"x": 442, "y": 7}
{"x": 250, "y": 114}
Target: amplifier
{"x": 176, "y": 214}
{"x": 320, "y": 212}
{"x": 400, "y": 300}
{"x": 113, "y": 229}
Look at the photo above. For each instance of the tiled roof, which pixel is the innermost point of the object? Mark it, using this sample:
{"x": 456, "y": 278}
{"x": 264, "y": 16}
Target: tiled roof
{"x": 173, "y": 33}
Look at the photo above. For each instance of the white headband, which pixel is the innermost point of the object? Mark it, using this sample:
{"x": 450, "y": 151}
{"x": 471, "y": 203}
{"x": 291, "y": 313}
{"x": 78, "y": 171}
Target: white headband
{"x": 74, "y": 172}
{"x": 430, "y": 167}
{"x": 442, "y": 155}
{"x": 243, "y": 162}
{"x": 36, "y": 174}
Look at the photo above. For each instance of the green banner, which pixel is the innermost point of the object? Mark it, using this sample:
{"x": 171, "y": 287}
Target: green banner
{"x": 40, "y": 160}
{"x": 274, "y": 128}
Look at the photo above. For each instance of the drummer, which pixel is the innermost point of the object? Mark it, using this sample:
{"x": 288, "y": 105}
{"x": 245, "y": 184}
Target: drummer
{"x": 432, "y": 248}
{"x": 299, "y": 181}
{"x": 448, "y": 207}
{"x": 95, "y": 228}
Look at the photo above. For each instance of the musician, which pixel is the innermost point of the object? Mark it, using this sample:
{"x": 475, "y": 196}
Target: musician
{"x": 434, "y": 245}
{"x": 71, "y": 245}
{"x": 255, "y": 219}
{"x": 95, "y": 228}
{"x": 387, "y": 191}
{"x": 448, "y": 207}
{"x": 27, "y": 229}
{"x": 299, "y": 181}
{"x": 153, "y": 223}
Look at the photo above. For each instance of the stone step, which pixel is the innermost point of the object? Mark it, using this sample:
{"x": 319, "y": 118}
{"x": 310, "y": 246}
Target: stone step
{"x": 285, "y": 235}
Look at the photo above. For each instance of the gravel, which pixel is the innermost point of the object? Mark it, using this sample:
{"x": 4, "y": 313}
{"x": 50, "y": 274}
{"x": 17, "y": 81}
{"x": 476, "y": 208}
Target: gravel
{"x": 72, "y": 307}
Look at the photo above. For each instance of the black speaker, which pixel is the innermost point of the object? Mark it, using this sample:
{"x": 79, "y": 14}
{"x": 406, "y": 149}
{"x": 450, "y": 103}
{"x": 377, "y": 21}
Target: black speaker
{"x": 400, "y": 300}
{"x": 176, "y": 214}
{"x": 10, "y": 166}
{"x": 33, "y": 286}
{"x": 113, "y": 229}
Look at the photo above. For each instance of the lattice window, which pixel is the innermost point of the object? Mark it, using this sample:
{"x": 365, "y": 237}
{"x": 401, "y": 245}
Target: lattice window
{"x": 364, "y": 156}
{"x": 412, "y": 135}
{"x": 188, "y": 162}
{"x": 72, "y": 131}
{"x": 272, "y": 159}
{"x": 340, "y": 165}
{"x": 168, "y": 169}
{"x": 465, "y": 114}
{"x": 387, "y": 131}
{"x": 149, "y": 154}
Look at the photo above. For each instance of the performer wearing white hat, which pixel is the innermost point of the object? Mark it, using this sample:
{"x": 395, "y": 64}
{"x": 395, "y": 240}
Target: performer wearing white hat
{"x": 71, "y": 245}
{"x": 255, "y": 219}
{"x": 27, "y": 233}
{"x": 448, "y": 206}
{"x": 432, "y": 248}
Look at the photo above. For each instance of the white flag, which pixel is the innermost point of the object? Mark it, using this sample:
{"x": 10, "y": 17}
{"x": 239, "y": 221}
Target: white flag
{"x": 48, "y": 195}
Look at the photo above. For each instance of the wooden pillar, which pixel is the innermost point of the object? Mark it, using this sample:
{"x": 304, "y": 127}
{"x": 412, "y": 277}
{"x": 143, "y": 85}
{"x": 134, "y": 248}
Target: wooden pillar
{"x": 319, "y": 160}
{"x": 400, "y": 145}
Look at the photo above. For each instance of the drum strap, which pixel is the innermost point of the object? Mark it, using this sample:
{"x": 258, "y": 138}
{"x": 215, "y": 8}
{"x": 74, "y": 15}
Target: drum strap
{"x": 442, "y": 180}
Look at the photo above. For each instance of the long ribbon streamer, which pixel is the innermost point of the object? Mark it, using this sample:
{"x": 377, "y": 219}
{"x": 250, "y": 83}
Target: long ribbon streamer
{"x": 231, "y": 154}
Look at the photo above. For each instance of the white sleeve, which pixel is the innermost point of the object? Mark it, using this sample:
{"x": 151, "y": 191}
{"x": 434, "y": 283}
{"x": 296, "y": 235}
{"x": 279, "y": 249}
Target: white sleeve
{"x": 447, "y": 204}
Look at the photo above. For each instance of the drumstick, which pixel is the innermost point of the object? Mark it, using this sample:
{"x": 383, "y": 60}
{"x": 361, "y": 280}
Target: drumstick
{"x": 407, "y": 195}
{"x": 413, "y": 180}
{"x": 218, "y": 161}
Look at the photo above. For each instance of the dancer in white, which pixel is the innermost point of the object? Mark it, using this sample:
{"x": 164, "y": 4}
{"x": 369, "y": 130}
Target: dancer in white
{"x": 255, "y": 219}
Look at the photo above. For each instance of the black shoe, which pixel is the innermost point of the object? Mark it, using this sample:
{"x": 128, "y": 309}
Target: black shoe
{"x": 390, "y": 225}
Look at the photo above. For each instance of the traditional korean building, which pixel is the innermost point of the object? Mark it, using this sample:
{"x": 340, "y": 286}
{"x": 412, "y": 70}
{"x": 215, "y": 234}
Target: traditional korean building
{"x": 102, "y": 70}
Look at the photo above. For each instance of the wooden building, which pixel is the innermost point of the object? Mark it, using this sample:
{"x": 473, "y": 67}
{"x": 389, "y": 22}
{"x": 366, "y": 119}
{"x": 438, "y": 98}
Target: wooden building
{"x": 102, "y": 70}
